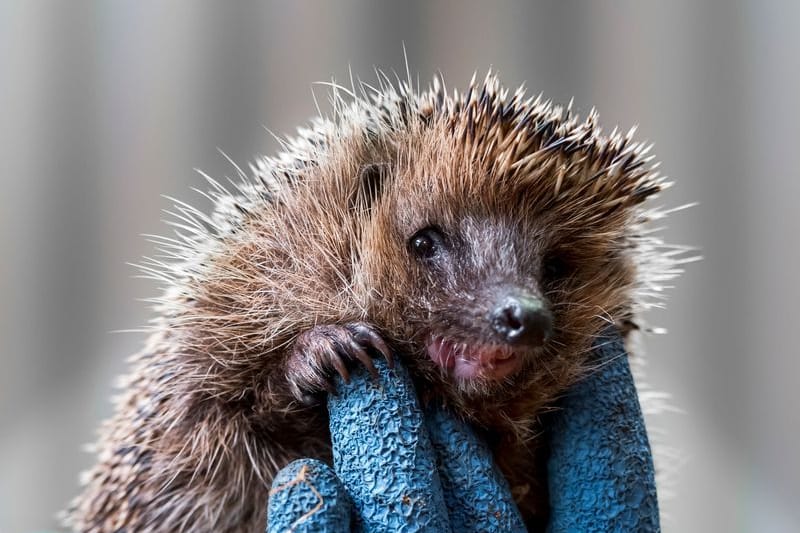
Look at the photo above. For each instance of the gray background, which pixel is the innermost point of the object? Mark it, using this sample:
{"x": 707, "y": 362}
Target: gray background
{"x": 106, "y": 105}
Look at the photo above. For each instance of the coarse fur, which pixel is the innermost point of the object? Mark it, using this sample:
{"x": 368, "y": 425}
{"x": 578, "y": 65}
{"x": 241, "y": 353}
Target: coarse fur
{"x": 318, "y": 237}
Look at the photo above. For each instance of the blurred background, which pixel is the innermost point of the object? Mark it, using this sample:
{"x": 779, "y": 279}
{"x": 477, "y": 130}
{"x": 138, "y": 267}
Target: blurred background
{"x": 104, "y": 106}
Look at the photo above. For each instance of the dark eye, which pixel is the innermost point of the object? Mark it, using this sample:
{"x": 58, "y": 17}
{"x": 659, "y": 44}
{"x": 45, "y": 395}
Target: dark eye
{"x": 555, "y": 267}
{"x": 426, "y": 243}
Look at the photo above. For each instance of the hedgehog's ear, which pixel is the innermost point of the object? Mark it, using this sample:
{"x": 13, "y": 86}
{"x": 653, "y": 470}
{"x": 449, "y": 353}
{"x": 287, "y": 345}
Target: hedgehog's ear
{"x": 371, "y": 180}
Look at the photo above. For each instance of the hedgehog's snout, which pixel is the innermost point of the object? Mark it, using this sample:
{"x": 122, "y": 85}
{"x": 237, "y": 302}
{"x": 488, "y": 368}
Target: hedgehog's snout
{"x": 522, "y": 320}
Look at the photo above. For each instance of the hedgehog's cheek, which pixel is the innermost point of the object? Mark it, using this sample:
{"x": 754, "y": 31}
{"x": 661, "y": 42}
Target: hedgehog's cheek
{"x": 470, "y": 361}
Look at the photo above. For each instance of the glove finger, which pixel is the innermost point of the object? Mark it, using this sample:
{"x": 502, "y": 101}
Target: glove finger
{"x": 383, "y": 455}
{"x": 306, "y": 496}
{"x": 477, "y": 495}
{"x": 600, "y": 470}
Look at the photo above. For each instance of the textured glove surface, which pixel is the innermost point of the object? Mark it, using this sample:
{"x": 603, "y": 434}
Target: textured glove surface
{"x": 383, "y": 454}
{"x": 307, "y": 497}
{"x": 600, "y": 472}
{"x": 477, "y": 495}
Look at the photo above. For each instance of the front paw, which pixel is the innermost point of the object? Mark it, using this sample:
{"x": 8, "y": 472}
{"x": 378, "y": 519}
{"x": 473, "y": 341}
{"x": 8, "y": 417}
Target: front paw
{"x": 323, "y": 350}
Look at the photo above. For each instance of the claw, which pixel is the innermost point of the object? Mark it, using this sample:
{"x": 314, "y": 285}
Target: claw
{"x": 361, "y": 354}
{"x": 366, "y": 334}
{"x": 341, "y": 369}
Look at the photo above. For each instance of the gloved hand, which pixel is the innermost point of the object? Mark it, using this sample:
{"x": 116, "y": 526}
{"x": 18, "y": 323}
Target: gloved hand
{"x": 398, "y": 468}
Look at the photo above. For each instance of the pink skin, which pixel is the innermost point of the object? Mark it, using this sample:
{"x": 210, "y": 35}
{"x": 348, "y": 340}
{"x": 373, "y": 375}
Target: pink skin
{"x": 491, "y": 362}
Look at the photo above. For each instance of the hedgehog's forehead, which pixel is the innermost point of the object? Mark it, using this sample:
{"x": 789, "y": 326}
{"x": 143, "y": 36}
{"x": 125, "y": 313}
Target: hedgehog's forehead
{"x": 434, "y": 165}
{"x": 465, "y": 162}
{"x": 439, "y": 181}
{"x": 439, "y": 194}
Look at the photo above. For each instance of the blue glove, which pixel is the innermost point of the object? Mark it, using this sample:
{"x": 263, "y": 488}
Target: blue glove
{"x": 600, "y": 472}
{"x": 398, "y": 468}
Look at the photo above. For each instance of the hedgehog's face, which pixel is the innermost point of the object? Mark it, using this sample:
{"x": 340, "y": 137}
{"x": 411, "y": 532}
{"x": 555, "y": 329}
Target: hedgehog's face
{"x": 492, "y": 284}
{"x": 487, "y": 312}
{"x": 490, "y": 291}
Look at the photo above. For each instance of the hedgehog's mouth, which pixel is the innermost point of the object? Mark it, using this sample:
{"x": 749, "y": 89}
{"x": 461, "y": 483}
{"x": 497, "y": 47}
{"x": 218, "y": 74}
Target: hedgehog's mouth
{"x": 467, "y": 361}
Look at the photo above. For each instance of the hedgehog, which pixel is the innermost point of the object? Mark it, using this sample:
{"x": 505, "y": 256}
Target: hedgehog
{"x": 485, "y": 238}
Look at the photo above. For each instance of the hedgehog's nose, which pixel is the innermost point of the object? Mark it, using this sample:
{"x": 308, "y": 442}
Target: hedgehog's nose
{"x": 522, "y": 320}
